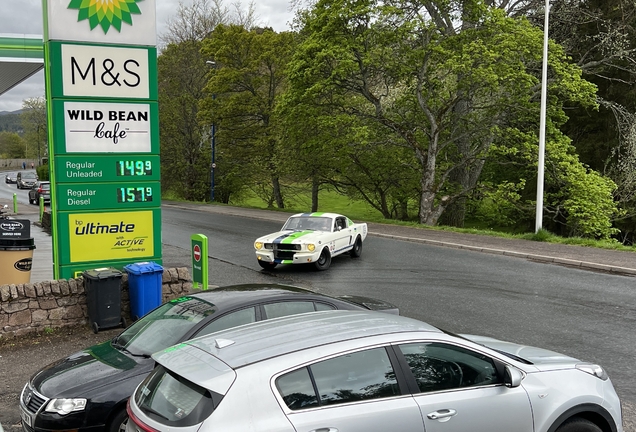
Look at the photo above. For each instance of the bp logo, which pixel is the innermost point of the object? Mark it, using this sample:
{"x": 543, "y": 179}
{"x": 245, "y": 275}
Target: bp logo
{"x": 106, "y": 13}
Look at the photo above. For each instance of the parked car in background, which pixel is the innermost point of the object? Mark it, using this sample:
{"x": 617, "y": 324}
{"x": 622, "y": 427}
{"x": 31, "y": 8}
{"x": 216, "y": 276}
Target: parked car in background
{"x": 11, "y": 177}
{"x": 363, "y": 371}
{"x": 40, "y": 189}
{"x": 89, "y": 389}
{"x": 26, "y": 179}
{"x": 311, "y": 238}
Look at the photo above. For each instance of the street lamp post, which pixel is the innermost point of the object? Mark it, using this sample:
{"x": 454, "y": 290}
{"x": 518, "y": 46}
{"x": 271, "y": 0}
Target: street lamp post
{"x": 544, "y": 93}
{"x": 213, "y": 166}
{"x": 212, "y": 143}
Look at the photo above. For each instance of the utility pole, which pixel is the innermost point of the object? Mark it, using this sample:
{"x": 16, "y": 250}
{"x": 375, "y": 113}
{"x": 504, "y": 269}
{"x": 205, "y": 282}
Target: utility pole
{"x": 212, "y": 143}
{"x": 544, "y": 94}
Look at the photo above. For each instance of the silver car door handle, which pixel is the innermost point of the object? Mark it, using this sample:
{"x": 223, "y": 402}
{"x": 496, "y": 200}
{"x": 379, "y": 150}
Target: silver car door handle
{"x": 326, "y": 429}
{"x": 441, "y": 414}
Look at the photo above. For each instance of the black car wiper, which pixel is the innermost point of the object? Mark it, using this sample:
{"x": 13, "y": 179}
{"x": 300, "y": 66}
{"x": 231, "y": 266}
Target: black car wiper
{"x": 124, "y": 349}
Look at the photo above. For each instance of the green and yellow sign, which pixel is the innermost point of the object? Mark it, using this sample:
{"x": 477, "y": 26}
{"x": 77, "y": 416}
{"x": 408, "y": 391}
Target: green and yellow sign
{"x": 101, "y": 88}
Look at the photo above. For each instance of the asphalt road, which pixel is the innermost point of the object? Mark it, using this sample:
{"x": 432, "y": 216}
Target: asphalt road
{"x": 8, "y": 189}
{"x": 585, "y": 314}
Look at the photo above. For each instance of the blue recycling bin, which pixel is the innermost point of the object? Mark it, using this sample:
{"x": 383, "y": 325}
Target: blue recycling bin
{"x": 144, "y": 287}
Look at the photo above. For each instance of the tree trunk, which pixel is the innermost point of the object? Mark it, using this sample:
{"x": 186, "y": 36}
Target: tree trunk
{"x": 455, "y": 213}
{"x": 278, "y": 196}
{"x": 314, "y": 194}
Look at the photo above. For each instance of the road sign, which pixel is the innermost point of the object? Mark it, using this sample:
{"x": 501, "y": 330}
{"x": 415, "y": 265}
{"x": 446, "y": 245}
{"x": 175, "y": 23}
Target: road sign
{"x": 199, "y": 243}
{"x": 103, "y": 117}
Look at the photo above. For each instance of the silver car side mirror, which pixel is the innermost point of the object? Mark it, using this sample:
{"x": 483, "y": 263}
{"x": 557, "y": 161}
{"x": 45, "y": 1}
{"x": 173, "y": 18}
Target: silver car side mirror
{"x": 512, "y": 377}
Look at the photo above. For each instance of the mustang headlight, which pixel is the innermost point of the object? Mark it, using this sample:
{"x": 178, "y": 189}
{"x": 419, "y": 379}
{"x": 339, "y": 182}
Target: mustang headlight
{"x": 65, "y": 406}
{"x": 258, "y": 245}
{"x": 311, "y": 247}
{"x": 593, "y": 369}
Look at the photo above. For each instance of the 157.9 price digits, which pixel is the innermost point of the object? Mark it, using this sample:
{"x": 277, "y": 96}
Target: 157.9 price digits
{"x": 134, "y": 194}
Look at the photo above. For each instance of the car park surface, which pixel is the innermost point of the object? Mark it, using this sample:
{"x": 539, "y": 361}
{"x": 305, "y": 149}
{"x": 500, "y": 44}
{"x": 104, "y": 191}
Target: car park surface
{"x": 89, "y": 389}
{"x": 362, "y": 371}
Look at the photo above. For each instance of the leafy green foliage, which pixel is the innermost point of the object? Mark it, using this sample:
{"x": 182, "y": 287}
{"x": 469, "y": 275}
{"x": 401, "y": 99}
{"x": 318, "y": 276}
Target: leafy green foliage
{"x": 10, "y": 123}
{"x": 43, "y": 172}
{"x": 245, "y": 86}
{"x": 415, "y": 91}
{"x": 11, "y": 146}
{"x": 34, "y": 124}
{"x": 185, "y": 143}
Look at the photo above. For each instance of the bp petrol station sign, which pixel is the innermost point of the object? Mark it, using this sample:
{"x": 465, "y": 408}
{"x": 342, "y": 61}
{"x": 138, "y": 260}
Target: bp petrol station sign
{"x": 101, "y": 87}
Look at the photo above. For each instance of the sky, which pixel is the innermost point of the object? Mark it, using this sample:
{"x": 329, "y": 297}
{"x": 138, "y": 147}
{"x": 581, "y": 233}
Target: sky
{"x": 24, "y": 17}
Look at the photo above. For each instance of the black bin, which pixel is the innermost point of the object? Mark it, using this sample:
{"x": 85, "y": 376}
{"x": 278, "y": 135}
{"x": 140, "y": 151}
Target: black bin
{"x": 103, "y": 298}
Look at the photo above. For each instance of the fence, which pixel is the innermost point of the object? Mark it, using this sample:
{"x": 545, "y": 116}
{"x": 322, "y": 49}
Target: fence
{"x": 33, "y": 307}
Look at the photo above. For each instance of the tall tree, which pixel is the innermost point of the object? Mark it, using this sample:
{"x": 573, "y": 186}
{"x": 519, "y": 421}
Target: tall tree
{"x": 12, "y": 146}
{"x": 443, "y": 94}
{"x": 34, "y": 123}
{"x": 183, "y": 73}
{"x": 185, "y": 148}
{"x": 247, "y": 84}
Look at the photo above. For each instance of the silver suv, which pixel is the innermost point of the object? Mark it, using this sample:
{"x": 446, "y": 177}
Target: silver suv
{"x": 363, "y": 372}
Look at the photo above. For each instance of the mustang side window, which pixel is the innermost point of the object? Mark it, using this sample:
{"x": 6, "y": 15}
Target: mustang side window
{"x": 438, "y": 366}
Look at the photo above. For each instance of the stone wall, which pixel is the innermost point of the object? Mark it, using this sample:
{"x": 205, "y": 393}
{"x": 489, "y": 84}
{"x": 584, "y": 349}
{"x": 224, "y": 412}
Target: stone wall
{"x": 34, "y": 307}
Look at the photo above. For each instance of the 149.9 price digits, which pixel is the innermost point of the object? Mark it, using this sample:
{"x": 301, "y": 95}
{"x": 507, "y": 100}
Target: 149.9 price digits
{"x": 134, "y": 168}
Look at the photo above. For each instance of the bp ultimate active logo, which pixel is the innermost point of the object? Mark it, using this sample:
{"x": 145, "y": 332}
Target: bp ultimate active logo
{"x": 117, "y": 235}
{"x": 106, "y": 13}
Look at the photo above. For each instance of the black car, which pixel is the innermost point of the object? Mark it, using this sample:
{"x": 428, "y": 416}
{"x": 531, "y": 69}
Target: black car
{"x": 89, "y": 389}
{"x": 11, "y": 177}
{"x": 40, "y": 189}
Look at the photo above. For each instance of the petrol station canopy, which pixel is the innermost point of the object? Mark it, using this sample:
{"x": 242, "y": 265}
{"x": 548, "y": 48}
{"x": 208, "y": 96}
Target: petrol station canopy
{"x": 21, "y": 56}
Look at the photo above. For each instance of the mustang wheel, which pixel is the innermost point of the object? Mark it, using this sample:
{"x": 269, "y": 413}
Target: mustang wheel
{"x": 324, "y": 261}
{"x": 357, "y": 248}
{"x": 267, "y": 265}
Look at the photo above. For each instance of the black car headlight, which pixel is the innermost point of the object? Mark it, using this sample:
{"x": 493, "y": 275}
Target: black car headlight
{"x": 65, "y": 406}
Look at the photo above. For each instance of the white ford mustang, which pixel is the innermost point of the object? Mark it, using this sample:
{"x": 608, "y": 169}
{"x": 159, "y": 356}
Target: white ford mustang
{"x": 311, "y": 238}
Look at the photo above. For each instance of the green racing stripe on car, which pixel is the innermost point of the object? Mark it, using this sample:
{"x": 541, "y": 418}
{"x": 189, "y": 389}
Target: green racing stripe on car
{"x": 294, "y": 236}
{"x": 317, "y": 214}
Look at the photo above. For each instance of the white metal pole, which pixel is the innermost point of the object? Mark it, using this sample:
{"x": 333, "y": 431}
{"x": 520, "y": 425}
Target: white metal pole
{"x": 544, "y": 94}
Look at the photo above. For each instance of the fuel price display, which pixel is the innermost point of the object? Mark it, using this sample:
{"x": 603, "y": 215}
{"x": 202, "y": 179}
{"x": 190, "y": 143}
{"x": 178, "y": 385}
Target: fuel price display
{"x": 134, "y": 168}
{"x": 134, "y": 194}
{"x": 122, "y": 168}
{"x": 114, "y": 196}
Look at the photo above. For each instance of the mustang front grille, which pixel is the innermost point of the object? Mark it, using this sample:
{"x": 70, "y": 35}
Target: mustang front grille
{"x": 284, "y": 255}
{"x": 286, "y": 247}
